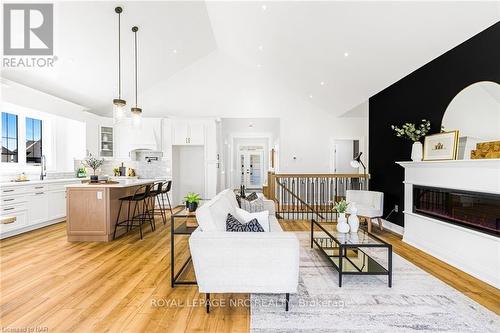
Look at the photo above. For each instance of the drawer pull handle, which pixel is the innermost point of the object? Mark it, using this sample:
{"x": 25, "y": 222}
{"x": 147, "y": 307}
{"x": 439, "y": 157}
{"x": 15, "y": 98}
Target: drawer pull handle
{"x": 37, "y": 193}
{"x": 8, "y": 220}
{"x": 4, "y": 191}
{"x": 10, "y": 208}
{"x": 8, "y": 200}
{"x": 38, "y": 186}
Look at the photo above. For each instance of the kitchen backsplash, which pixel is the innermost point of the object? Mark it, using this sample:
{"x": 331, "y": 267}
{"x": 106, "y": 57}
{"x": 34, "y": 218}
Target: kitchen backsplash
{"x": 143, "y": 169}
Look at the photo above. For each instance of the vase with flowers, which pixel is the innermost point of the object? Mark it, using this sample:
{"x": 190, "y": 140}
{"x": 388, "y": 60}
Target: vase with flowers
{"x": 341, "y": 207}
{"x": 414, "y": 133}
{"x": 94, "y": 164}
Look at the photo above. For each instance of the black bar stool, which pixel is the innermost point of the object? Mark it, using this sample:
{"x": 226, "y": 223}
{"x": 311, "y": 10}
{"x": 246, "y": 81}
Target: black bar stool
{"x": 155, "y": 197}
{"x": 141, "y": 196}
{"x": 164, "y": 194}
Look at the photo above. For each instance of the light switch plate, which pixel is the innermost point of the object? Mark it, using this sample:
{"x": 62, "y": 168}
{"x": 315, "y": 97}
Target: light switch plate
{"x": 99, "y": 195}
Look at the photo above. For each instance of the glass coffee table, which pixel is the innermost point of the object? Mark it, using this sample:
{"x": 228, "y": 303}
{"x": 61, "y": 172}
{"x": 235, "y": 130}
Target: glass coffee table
{"x": 347, "y": 252}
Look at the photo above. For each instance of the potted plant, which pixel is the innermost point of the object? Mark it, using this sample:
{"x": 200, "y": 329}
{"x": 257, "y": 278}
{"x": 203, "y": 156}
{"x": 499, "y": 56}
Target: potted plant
{"x": 414, "y": 133}
{"x": 192, "y": 200}
{"x": 341, "y": 207}
{"x": 94, "y": 164}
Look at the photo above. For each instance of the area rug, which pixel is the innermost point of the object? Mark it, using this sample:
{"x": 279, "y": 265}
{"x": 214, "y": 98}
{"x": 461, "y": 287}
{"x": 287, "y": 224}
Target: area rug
{"x": 417, "y": 301}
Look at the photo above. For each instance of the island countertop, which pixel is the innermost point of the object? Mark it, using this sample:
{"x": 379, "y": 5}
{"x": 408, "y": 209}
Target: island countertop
{"x": 121, "y": 183}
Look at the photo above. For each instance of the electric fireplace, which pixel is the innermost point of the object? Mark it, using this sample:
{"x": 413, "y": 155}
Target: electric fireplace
{"x": 474, "y": 210}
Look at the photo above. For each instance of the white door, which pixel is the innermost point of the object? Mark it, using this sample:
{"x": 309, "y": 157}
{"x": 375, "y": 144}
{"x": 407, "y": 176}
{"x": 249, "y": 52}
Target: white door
{"x": 252, "y": 169}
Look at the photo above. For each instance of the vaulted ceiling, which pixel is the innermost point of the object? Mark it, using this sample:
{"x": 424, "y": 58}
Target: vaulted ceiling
{"x": 247, "y": 58}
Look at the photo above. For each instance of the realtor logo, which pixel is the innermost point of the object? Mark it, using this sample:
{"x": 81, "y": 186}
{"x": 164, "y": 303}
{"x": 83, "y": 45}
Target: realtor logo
{"x": 28, "y": 29}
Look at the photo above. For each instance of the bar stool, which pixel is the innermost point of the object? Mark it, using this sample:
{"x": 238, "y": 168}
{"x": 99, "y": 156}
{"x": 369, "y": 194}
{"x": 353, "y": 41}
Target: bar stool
{"x": 164, "y": 193}
{"x": 155, "y": 197}
{"x": 141, "y": 196}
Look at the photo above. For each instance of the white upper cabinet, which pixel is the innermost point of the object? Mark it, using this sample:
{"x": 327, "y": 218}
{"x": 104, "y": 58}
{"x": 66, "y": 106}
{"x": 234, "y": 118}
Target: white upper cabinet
{"x": 196, "y": 133}
{"x": 188, "y": 132}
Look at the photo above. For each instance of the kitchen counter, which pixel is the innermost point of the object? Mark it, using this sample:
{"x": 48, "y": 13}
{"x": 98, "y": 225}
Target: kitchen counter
{"x": 122, "y": 183}
{"x": 35, "y": 182}
{"x": 93, "y": 209}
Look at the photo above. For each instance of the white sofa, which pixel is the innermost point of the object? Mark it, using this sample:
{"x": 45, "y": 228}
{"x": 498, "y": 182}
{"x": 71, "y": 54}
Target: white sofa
{"x": 242, "y": 262}
{"x": 370, "y": 204}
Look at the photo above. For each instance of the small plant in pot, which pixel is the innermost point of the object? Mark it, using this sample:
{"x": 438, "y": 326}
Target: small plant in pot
{"x": 94, "y": 164}
{"x": 341, "y": 207}
{"x": 192, "y": 200}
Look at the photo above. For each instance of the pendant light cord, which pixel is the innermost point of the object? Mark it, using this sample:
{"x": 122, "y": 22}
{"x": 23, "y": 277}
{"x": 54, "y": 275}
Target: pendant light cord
{"x": 135, "y": 54}
{"x": 119, "y": 59}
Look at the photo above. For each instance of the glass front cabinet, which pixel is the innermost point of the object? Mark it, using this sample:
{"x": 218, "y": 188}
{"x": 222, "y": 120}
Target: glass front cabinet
{"x": 106, "y": 141}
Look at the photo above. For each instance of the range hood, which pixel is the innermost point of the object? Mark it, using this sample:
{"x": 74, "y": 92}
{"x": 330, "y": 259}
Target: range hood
{"x": 145, "y": 154}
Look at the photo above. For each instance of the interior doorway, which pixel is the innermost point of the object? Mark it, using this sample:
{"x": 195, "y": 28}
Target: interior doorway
{"x": 343, "y": 153}
{"x": 251, "y": 162}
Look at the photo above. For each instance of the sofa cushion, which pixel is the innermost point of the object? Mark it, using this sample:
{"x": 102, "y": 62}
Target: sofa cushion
{"x": 233, "y": 225}
{"x": 212, "y": 215}
{"x": 262, "y": 217}
{"x": 230, "y": 196}
{"x": 253, "y": 206}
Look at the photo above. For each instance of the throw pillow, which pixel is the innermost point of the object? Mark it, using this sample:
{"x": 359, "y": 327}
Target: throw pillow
{"x": 252, "y": 196}
{"x": 253, "y": 206}
{"x": 262, "y": 217}
{"x": 232, "y": 224}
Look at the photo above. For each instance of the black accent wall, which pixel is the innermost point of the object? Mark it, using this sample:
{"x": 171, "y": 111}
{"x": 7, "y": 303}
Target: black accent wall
{"x": 425, "y": 93}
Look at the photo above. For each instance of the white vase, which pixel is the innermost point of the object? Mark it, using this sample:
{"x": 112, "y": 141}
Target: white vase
{"x": 353, "y": 218}
{"x": 342, "y": 225}
{"x": 416, "y": 151}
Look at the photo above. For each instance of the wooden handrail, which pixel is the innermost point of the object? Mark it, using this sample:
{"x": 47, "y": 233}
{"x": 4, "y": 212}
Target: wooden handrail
{"x": 323, "y": 175}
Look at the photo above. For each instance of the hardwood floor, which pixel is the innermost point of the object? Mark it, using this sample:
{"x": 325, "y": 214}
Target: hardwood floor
{"x": 124, "y": 285}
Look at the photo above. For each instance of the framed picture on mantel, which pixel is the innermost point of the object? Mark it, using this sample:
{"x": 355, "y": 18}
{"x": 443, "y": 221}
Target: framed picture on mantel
{"x": 441, "y": 146}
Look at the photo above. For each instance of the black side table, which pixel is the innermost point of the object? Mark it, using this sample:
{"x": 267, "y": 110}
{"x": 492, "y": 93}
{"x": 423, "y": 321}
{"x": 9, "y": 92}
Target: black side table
{"x": 178, "y": 227}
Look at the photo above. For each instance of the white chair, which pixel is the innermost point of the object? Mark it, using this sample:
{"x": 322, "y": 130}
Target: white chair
{"x": 370, "y": 205}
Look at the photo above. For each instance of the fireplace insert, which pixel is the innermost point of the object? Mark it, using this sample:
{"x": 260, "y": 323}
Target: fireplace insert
{"x": 474, "y": 210}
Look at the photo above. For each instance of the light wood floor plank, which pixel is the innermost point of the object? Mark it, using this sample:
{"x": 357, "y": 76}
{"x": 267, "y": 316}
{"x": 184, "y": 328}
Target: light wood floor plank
{"x": 46, "y": 281}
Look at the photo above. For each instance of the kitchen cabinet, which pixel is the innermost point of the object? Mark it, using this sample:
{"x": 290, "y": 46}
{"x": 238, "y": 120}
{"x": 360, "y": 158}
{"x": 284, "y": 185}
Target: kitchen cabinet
{"x": 38, "y": 207}
{"x": 106, "y": 141}
{"x": 57, "y": 207}
{"x": 35, "y": 204}
{"x": 188, "y": 132}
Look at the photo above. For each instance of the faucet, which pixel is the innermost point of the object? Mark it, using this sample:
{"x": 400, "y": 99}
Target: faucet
{"x": 43, "y": 168}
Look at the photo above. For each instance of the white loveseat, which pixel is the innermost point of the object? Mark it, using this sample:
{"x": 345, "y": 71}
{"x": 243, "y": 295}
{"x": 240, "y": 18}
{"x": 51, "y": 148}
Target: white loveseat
{"x": 242, "y": 262}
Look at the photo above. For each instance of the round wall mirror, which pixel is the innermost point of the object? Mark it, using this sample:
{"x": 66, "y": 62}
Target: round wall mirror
{"x": 475, "y": 112}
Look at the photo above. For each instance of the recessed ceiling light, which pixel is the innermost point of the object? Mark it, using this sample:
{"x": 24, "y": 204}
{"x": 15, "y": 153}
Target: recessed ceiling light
{"x": 310, "y": 96}
{"x": 174, "y": 51}
{"x": 322, "y": 83}
{"x": 250, "y": 125}
{"x": 261, "y": 47}
{"x": 264, "y": 7}
{"x": 346, "y": 54}
{"x": 259, "y": 65}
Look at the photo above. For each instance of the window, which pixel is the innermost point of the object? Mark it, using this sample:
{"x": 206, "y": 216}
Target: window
{"x": 33, "y": 140}
{"x": 9, "y": 137}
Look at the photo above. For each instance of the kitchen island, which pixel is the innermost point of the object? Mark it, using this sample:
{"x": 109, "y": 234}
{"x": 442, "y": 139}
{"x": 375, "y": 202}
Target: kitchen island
{"x": 92, "y": 209}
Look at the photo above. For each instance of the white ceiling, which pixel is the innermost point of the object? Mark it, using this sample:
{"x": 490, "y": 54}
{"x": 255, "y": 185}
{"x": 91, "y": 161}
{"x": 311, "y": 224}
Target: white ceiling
{"x": 235, "y": 58}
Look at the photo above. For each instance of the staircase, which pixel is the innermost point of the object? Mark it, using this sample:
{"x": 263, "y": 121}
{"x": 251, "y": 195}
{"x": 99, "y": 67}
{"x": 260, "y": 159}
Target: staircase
{"x": 308, "y": 196}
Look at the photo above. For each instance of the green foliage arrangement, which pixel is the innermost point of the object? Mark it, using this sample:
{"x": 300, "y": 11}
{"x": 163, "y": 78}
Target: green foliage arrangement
{"x": 341, "y": 206}
{"x": 92, "y": 162}
{"x": 412, "y": 131}
{"x": 192, "y": 197}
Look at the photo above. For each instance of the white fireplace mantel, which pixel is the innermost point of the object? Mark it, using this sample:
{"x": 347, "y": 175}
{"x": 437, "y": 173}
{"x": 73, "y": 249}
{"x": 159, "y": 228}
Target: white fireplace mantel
{"x": 471, "y": 251}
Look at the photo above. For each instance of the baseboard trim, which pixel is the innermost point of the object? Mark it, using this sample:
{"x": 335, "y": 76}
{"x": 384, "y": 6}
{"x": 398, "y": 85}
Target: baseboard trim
{"x": 397, "y": 229}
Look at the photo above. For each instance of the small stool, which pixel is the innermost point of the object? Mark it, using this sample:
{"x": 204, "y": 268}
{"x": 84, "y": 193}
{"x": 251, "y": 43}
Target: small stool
{"x": 140, "y": 196}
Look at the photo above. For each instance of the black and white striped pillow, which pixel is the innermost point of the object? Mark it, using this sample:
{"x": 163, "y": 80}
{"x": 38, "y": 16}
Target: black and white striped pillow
{"x": 232, "y": 224}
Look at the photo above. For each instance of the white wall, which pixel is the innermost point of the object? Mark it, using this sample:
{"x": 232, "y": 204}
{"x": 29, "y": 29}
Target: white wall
{"x": 188, "y": 171}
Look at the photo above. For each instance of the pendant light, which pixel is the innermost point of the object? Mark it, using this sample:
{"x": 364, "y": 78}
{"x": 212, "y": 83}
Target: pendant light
{"x": 119, "y": 103}
{"x": 136, "y": 111}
